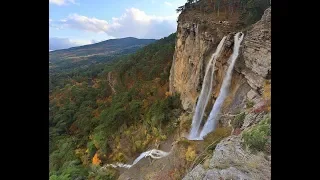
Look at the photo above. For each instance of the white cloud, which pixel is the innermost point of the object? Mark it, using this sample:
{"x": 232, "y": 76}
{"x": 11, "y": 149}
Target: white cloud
{"x": 56, "y": 43}
{"x": 167, "y": 3}
{"x": 62, "y": 2}
{"x": 76, "y": 21}
{"x": 133, "y": 22}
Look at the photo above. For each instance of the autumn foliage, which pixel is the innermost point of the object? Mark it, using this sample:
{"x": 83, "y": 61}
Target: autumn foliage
{"x": 96, "y": 160}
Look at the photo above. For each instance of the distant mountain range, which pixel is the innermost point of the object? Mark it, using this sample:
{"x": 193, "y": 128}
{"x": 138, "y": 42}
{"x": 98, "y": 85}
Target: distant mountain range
{"x": 95, "y": 53}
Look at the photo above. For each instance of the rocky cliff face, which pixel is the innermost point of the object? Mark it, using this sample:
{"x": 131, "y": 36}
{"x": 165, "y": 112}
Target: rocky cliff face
{"x": 256, "y": 52}
{"x": 194, "y": 46}
{"x": 196, "y": 41}
{"x": 250, "y": 84}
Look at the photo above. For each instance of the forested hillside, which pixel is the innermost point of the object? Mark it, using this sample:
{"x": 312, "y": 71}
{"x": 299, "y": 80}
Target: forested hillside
{"x": 110, "y": 112}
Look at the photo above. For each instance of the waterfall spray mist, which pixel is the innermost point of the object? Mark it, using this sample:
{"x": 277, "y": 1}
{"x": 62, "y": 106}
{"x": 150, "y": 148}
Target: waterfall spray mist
{"x": 205, "y": 92}
{"x": 210, "y": 125}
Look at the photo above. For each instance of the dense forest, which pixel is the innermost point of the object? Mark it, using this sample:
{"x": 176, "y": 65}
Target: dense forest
{"x": 90, "y": 107}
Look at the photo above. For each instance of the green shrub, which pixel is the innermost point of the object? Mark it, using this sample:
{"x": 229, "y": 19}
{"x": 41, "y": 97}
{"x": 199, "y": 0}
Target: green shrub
{"x": 61, "y": 177}
{"x": 163, "y": 137}
{"x": 139, "y": 146}
{"x": 172, "y": 126}
{"x": 190, "y": 154}
{"x": 238, "y": 120}
{"x": 250, "y": 104}
{"x": 161, "y": 110}
{"x": 257, "y": 138}
{"x": 102, "y": 174}
{"x": 69, "y": 170}
{"x": 64, "y": 153}
{"x": 91, "y": 149}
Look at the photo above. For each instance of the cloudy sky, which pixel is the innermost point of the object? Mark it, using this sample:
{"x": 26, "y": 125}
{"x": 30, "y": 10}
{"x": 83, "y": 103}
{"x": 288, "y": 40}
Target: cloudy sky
{"x": 79, "y": 22}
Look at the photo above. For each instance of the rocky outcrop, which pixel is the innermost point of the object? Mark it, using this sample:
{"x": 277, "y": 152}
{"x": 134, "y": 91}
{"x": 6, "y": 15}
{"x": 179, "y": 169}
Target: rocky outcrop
{"x": 196, "y": 41}
{"x": 197, "y": 173}
{"x": 229, "y": 173}
{"x": 231, "y": 161}
{"x": 256, "y": 52}
{"x": 111, "y": 81}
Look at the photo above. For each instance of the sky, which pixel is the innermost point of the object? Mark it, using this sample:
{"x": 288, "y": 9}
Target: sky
{"x": 79, "y": 22}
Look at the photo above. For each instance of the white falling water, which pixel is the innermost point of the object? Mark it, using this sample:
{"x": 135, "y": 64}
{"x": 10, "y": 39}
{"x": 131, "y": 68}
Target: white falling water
{"x": 142, "y": 155}
{"x": 154, "y": 153}
{"x": 205, "y": 92}
{"x": 210, "y": 125}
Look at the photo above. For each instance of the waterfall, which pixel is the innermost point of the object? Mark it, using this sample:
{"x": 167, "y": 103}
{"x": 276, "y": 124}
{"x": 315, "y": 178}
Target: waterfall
{"x": 211, "y": 122}
{"x": 142, "y": 155}
{"x": 202, "y": 102}
{"x": 205, "y": 92}
{"x": 154, "y": 153}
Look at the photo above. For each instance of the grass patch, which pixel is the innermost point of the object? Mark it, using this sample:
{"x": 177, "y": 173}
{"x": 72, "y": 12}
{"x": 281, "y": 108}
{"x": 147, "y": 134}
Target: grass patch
{"x": 258, "y": 137}
{"x": 212, "y": 139}
{"x": 184, "y": 142}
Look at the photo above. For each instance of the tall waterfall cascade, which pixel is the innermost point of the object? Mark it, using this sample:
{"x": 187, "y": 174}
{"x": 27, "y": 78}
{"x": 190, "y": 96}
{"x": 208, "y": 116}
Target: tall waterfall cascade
{"x": 205, "y": 92}
{"x": 210, "y": 124}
